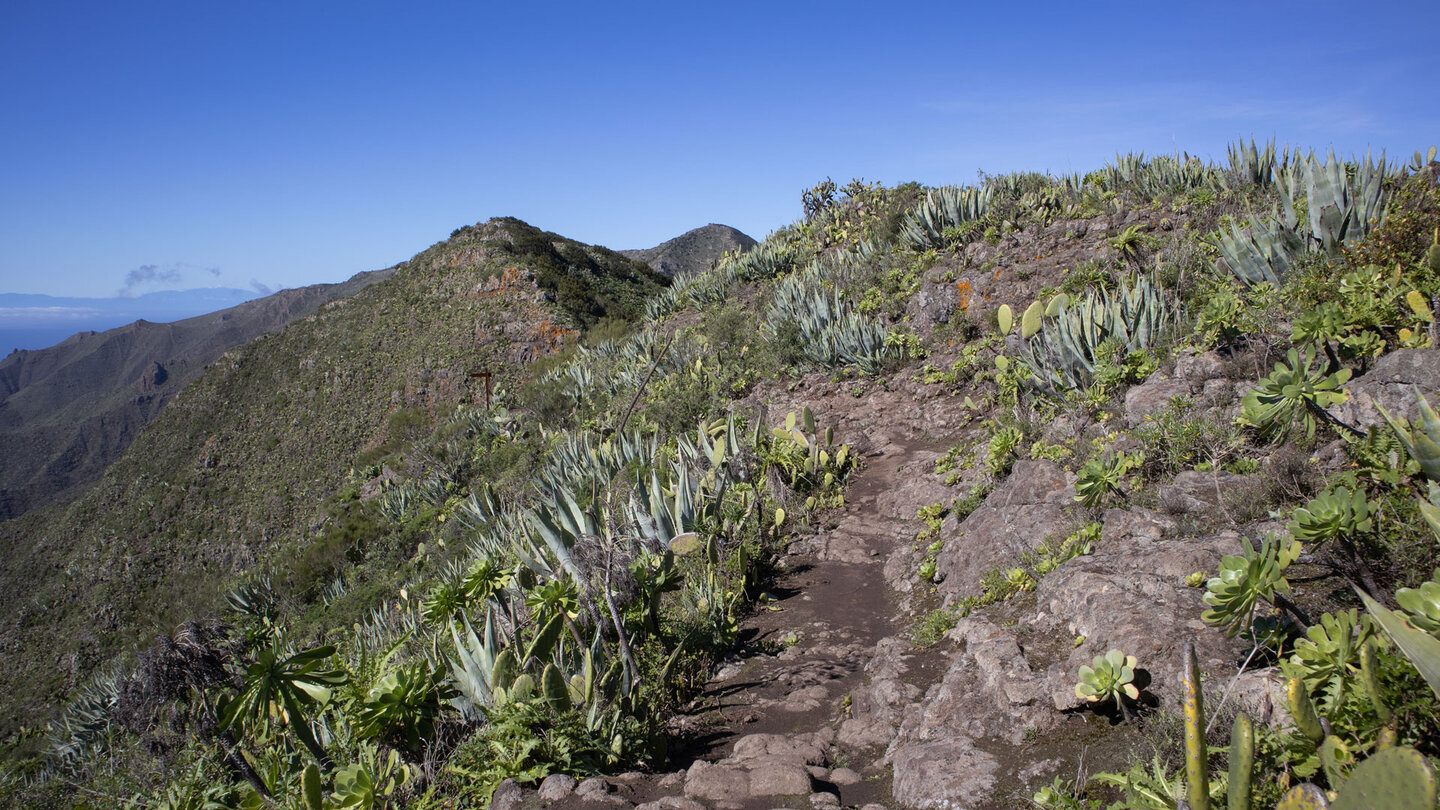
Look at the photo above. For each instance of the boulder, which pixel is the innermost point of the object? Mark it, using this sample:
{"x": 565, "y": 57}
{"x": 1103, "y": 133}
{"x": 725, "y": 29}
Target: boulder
{"x": 805, "y": 749}
{"x": 671, "y": 803}
{"x": 555, "y": 787}
{"x": 776, "y": 776}
{"x": 507, "y": 796}
{"x": 1197, "y": 369}
{"x": 1153, "y": 395}
{"x": 1391, "y": 384}
{"x": 945, "y": 774}
{"x": 716, "y": 782}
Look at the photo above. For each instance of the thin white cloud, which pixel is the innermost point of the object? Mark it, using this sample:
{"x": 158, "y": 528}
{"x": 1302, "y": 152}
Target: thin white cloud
{"x": 31, "y": 314}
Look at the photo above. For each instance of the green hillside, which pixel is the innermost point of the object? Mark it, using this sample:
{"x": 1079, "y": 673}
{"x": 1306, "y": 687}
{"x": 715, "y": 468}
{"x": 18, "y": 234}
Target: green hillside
{"x": 1066, "y": 456}
{"x": 238, "y": 470}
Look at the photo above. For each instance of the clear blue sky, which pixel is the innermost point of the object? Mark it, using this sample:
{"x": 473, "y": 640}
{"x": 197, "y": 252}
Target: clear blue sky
{"x": 225, "y": 143}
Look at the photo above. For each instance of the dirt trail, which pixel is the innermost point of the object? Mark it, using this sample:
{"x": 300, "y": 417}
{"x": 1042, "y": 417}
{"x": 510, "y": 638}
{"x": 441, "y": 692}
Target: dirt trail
{"x": 831, "y": 609}
{"x": 764, "y": 731}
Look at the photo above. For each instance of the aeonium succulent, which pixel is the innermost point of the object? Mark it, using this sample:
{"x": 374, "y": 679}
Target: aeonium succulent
{"x": 1109, "y": 677}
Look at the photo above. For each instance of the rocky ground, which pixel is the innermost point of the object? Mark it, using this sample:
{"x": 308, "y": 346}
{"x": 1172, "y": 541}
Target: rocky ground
{"x": 834, "y": 704}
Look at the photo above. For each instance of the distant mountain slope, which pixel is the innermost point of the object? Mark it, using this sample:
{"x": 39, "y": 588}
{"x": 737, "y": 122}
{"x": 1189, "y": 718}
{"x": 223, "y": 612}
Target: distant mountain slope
{"x": 39, "y": 321}
{"x": 68, "y": 411}
{"x": 237, "y": 469}
{"x": 693, "y": 251}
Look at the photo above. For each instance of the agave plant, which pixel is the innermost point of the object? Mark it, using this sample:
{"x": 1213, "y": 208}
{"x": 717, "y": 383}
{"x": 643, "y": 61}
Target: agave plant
{"x": 1163, "y": 174}
{"x": 1333, "y": 513}
{"x": 1064, "y": 354}
{"x": 1344, "y": 205}
{"x": 944, "y": 209}
{"x": 472, "y": 666}
{"x": 1109, "y": 677}
{"x": 831, "y": 333}
{"x": 1294, "y": 391}
{"x": 1265, "y": 251}
{"x": 86, "y": 721}
{"x": 1423, "y": 445}
{"x": 1243, "y": 580}
{"x": 1249, "y": 165}
{"x": 770, "y": 259}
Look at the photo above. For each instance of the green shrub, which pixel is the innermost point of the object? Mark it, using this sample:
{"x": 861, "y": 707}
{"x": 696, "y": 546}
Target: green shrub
{"x": 1174, "y": 439}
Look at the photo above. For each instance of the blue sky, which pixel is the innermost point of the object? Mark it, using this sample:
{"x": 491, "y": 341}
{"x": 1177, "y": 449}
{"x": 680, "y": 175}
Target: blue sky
{"x": 281, "y": 144}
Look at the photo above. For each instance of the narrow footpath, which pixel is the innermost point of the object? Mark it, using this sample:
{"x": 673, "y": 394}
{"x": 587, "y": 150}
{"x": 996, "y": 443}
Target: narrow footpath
{"x": 778, "y": 727}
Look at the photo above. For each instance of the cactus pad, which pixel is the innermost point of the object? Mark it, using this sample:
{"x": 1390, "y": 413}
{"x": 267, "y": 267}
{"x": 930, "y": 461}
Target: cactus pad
{"x": 1030, "y": 321}
{"x": 1393, "y": 779}
{"x": 1303, "y": 797}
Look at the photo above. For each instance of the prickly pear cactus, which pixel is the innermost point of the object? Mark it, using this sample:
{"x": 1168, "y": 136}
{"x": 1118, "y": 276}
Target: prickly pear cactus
{"x": 555, "y": 689}
{"x": 1302, "y": 709}
{"x": 1303, "y": 797}
{"x": 505, "y": 670}
{"x": 1057, "y": 305}
{"x": 1393, "y": 779}
{"x": 1030, "y": 321}
{"x": 1005, "y": 319}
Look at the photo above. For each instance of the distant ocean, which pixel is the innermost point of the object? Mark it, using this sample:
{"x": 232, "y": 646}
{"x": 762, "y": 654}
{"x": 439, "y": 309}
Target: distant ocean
{"x": 40, "y": 321}
{"x": 39, "y": 337}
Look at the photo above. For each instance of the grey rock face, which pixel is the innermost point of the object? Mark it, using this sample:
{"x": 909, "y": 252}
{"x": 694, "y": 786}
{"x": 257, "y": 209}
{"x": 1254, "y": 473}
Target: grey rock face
{"x": 1133, "y": 597}
{"x": 1029, "y": 506}
{"x": 946, "y": 774}
{"x": 1391, "y": 384}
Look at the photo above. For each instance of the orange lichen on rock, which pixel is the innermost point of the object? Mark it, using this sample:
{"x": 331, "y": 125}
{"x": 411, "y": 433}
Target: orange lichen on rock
{"x": 963, "y": 289}
{"x": 511, "y": 280}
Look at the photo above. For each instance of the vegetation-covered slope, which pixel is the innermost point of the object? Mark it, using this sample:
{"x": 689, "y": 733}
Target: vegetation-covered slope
{"x": 67, "y": 411}
{"x": 239, "y": 466}
{"x": 1162, "y": 387}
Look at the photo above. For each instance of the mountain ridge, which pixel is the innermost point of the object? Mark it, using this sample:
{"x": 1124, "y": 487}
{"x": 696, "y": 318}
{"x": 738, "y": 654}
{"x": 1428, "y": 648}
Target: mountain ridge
{"x": 35, "y": 321}
{"x": 237, "y": 469}
{"x": 69, "y": 410}
{"x": 694, "y": 251}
